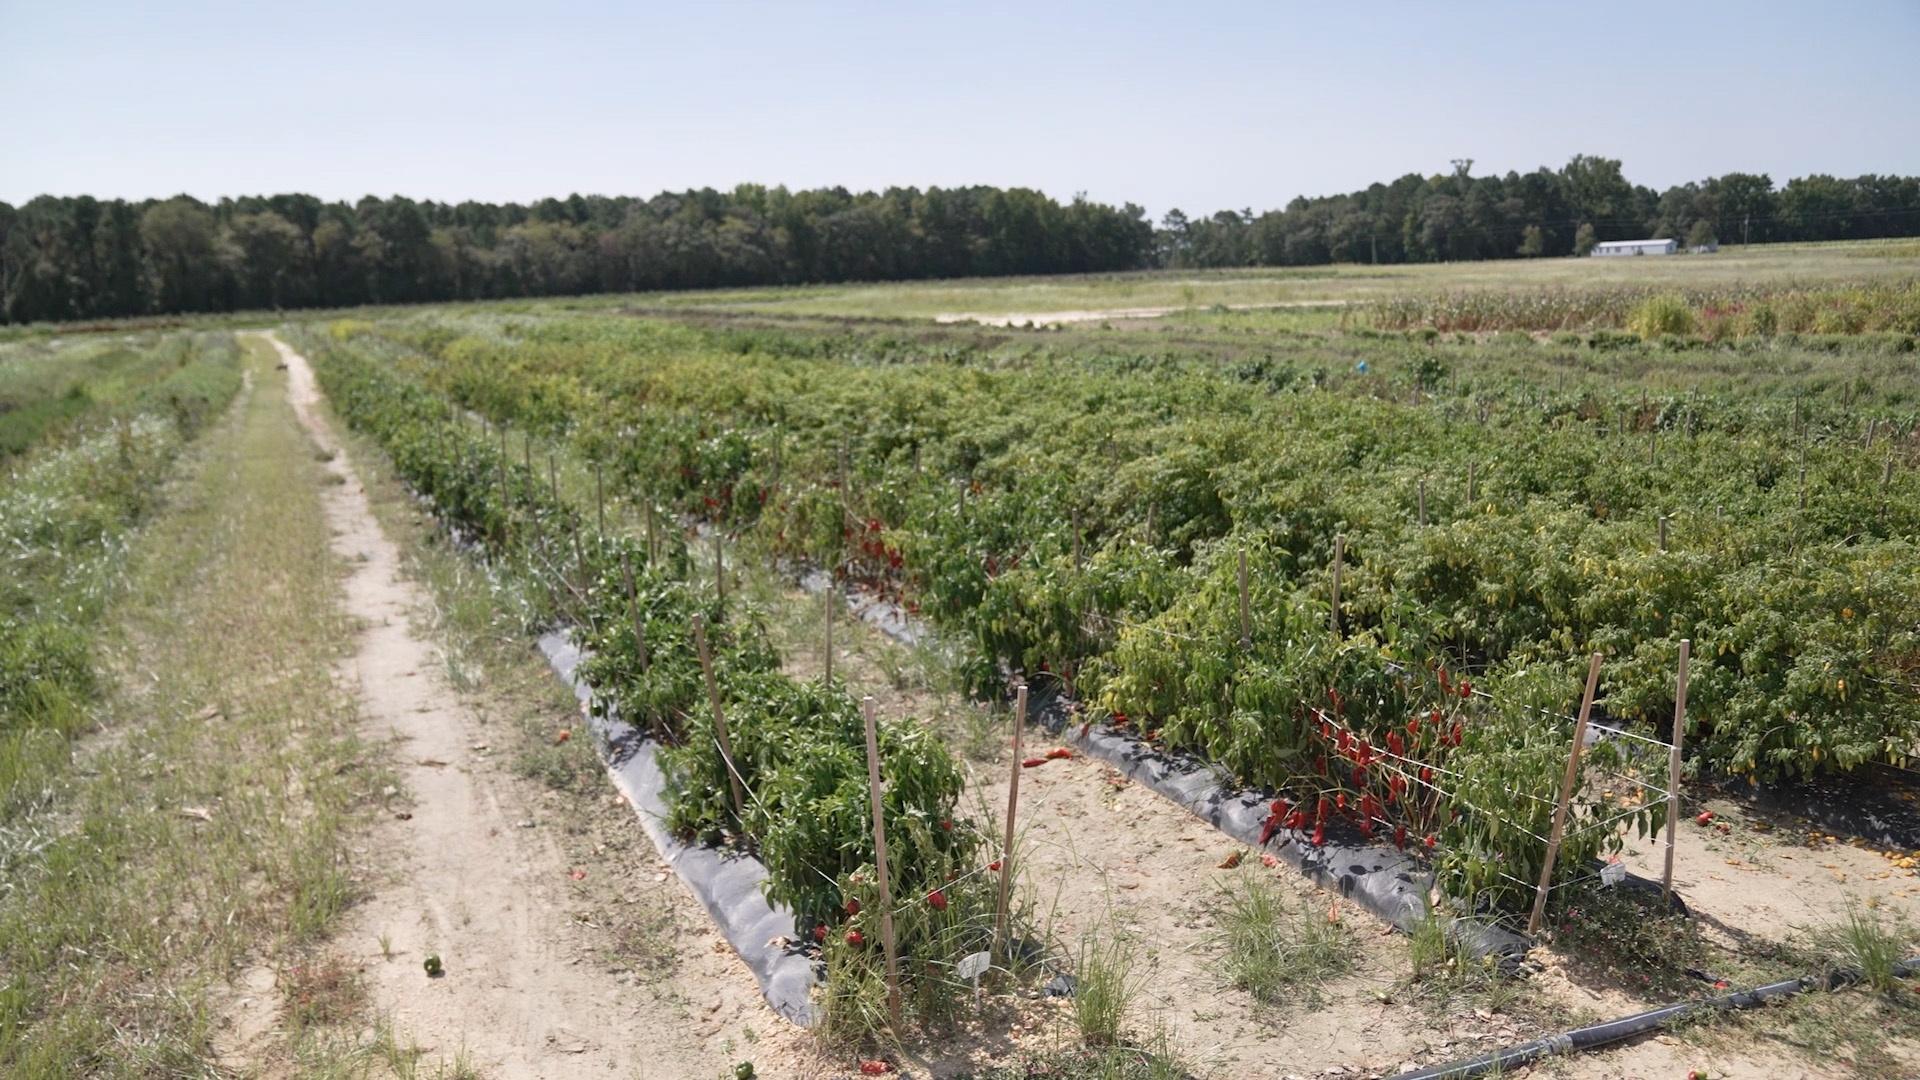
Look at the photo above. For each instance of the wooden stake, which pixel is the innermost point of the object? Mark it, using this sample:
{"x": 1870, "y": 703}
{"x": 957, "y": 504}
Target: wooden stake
{"x": 880, "y": 865}
{"x": 600, "y": 498}
{"x": 1566, "y": 797}
{"x": 1470, "y": 485}
{"x": 1673, "y": 766}
{"x": 633, "y": 611}
{"x": 1339, "y": 556}
{"x": 719, "y": 717}
{"x": 719, "y": 568}
{"x": 1886, "y": 481}
{"x": 1013, "y": 804}
{"x": 553, "y": 477}
{"x": 653, "y": 550}
{"x": 1803, "y": 474}
{"x": 1663, "y": 532}
{"x": 1423, "y": 502}
{"x": 1246, "y": 620}
{"x": 826, "y": 605}
{"x": 1653, "y": 445}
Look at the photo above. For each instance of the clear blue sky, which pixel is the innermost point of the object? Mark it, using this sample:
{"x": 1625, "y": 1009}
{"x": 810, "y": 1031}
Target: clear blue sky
{"x": 1200, "y": 106}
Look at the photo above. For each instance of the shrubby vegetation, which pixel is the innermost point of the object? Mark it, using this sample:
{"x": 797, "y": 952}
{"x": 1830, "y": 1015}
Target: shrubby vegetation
{"x": 1078, "y": 514}
{"x": 87, "y": 433}
{"x": 1716, "y": 314}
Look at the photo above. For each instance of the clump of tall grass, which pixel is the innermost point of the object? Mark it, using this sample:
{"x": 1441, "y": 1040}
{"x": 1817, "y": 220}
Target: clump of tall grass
{"x": 1865, "y": 943}
{"x": 1272, "y": 945}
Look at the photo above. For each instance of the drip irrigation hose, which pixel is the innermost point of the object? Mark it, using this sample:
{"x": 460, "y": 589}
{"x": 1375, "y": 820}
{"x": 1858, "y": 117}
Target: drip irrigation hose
{"x": 1588, "y": 1038}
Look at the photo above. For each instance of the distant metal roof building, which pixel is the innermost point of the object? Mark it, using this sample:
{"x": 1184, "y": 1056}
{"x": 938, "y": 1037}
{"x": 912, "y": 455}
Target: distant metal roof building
{"x": 1636, "y": 247}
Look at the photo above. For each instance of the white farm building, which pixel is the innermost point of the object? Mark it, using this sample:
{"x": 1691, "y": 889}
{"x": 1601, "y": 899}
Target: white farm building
{"x": 1636, "y": 247}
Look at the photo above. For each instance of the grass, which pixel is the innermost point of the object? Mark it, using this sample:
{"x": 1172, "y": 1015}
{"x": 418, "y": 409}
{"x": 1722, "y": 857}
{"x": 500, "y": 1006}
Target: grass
{"x": 206, "y": 826}
{"x": 1864, "y": 942}
{"x": 1272, "y": 944}
{"x": 1104, "y": 988}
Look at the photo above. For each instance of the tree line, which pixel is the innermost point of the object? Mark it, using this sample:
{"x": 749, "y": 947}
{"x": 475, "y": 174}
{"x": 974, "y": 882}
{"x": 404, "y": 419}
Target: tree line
{"x": 1457, "y": 216}
{"x": 84, "y": 258}
{"x": 81, "y": 258}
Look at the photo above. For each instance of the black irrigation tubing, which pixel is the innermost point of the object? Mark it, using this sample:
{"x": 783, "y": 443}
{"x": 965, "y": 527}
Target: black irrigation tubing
{"x": 1627, "y": 1027}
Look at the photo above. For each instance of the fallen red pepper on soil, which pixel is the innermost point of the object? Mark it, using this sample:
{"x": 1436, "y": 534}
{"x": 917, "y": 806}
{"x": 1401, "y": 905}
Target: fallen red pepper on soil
{"x": 1033, "y": 761}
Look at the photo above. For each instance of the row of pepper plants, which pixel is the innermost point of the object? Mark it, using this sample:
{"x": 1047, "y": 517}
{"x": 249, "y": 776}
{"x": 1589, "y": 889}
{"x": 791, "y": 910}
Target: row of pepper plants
{"x": 798, "y": 747}
{"x": 1081, "y": 515}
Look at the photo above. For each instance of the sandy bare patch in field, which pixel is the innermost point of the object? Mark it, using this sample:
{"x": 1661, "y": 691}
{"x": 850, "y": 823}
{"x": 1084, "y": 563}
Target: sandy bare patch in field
{"x": 1066, "y": 318}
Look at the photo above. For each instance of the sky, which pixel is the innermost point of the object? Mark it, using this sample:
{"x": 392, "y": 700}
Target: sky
{"x": 1195, "y": 106}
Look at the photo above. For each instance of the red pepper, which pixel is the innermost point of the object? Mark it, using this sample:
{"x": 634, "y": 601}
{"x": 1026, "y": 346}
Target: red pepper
{"x": 1366, "y": 752}
{"x": 1395, "y": 745}
{"x": 938, "y": 900}
{"x": 994, "y": 866}
{"x": 946, "y": 825}
{"x": 1059, "y": 753}
{"x": 1426, "y": 775}
{"x": 1323, "y": 808}
{"x": 855, "y": 939}
{"x": 853, "y": 908}
{"x": 1033, "y": 761}
{"x": 1466, "y": 689}
{"x": 1443, "y": 680}
{"x": 1319, "y": 835}
{"x": 1296, "y": 820}
{"x": 820, "y": 933}
{"x": 1431, "y": 840}
{"x": 1345, "y": 742}
{"x": 1366, "y": 827}
{"x": 1279, "y": 807}
{"x": 1340, "y": 801}
{"x": 1267, "y": 830}
{"x": 1326, "y": 729}
{"x": 1400, "y": 837}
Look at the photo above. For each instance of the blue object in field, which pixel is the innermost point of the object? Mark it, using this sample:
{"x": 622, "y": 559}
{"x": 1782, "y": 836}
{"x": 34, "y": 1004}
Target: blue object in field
{"x": 1361, "y": 367}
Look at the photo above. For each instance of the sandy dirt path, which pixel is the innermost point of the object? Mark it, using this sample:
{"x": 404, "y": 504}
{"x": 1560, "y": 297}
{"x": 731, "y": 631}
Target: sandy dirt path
{"x": 525, "y": 993}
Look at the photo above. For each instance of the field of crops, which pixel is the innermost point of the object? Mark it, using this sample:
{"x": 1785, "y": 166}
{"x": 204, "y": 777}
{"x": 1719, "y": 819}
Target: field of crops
{"x": 1080, "y": 511}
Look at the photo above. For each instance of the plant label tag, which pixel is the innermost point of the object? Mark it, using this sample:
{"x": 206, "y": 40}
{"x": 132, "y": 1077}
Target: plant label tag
{"x": 973, "y": 966}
